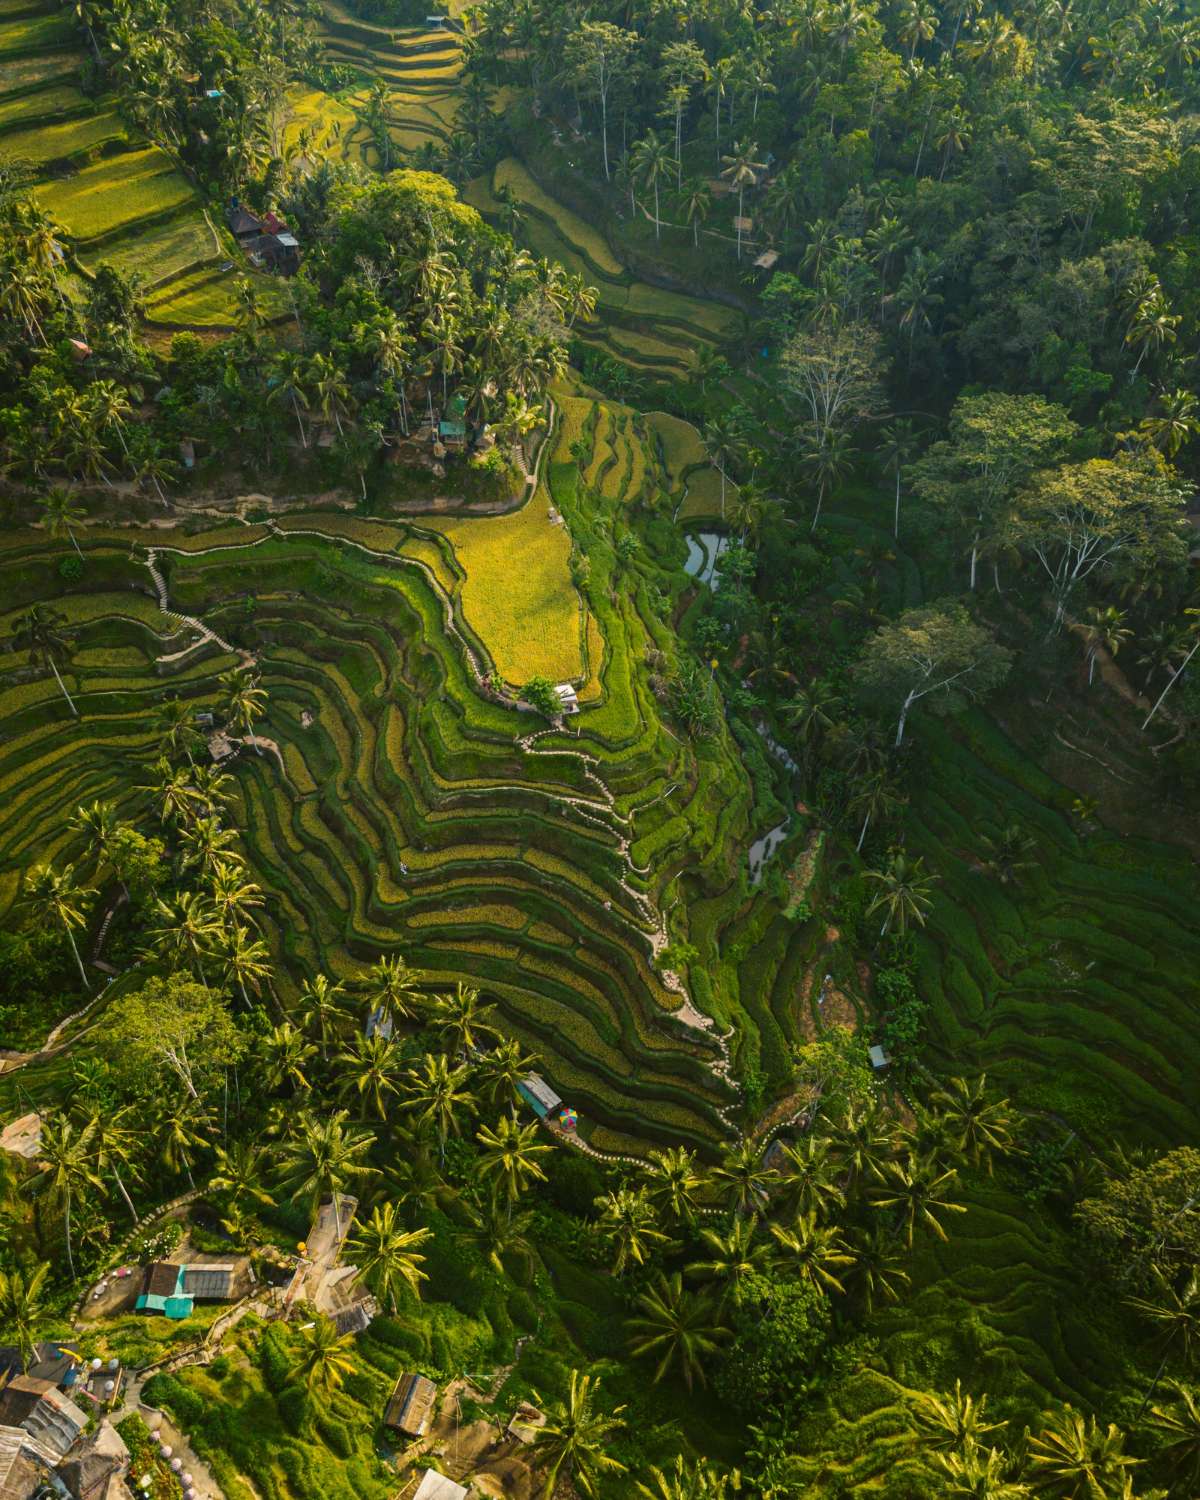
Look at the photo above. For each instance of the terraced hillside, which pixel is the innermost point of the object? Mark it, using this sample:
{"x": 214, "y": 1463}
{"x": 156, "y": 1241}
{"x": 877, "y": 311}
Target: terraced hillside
{"x": 404, "y": 808}
{"x": 117, "y": 197}
{"x": 653, "y": 330}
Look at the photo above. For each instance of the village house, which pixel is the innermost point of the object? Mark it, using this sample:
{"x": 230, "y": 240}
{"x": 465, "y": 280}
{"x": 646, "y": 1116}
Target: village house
{"x": 173, "y": 1290}
{"x": 411, "y": 1405}
{"x": 267, "y": 242}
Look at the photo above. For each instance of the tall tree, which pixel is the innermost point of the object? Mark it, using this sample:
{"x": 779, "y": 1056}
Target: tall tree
{"x": 597, "y": 53}
{"x": 573, "y": 1443}
{"x": 56, "y": 896}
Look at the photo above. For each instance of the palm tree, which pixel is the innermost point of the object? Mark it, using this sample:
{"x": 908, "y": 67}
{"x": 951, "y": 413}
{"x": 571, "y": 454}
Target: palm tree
{"x": 462, "y": 1017}
{"x": 371, "y": 1068}
{"x": 324, "y": 1159}
{"x": 21, "y": 1308}
{"x": 1104, "y": 629}
{"x": 808, "y": 1183}
{"x": 878, "y": 1269}
{"x": 501, "y": 1236}
{"x": 183, "y": 1127}
{"x": 952, "y": 1423}
{"x": 722, "y": 445}
{"x": 573, "y": 1441}
{"x": 440, "y": 1095}
{"x": 827, "y": 458}
{"x": 651, "y": 161}
{"x": 98, "y": 824}
{"x": 980, "y": 1474}
{"x": 1179, "y": 1423}
{"x": 241, "y": 1172}
{"x": 245, "y": 961}
{"x": 206, "y": 844}
{"x": 244, "y": 701}
{"x": 189, "y": 931}
{"x": 741, "y": 170}
{"x": 876, "y": 800}
{"x": 735, "y": 1254}
{"x": 233, "y": 896}
{"x": 113, "y": 1141}
{"x": 391, "y": 991}
{"x": 629, "y": 1222}
{"x": 175, "y": 793}
{"x": 744, "y": 1180}
{"x": 918, "y": 1191}
{"x": 287, "y": 1052}
{"x": 501, "y": 1070}
{"x": 904, "y": 895}
{"x": 1077, "y": 1458}
{"x": 68, "y": 1158}
{"x": 1153, "y": 324}
{"x": 38, "y": 632}
{"x": 699, "y": 1480}
{"x": 813, "y": 1253}
{"x": 1008, "y": 855}
{"x": 863, "y": 1147}
{"x": 322, "y": 1010}
{"x": 510, "y": 1152}
{"x": 695, "y": 202}
{"x": 976, "y": 1124}
{"x": 324, "y": 1359}
{"x": 56, "y": 896}
{"x": 386, "y": 1253}
{"x": 1175, "y": 423}
{"x": 900, "y": 444}
{"x": 62, "y": 513}
{"x": 673, "y": 1181}
{"x": 177, "y": 729}
{"x": 1175, "y": 1313}
{"x": 675, "y": 1327}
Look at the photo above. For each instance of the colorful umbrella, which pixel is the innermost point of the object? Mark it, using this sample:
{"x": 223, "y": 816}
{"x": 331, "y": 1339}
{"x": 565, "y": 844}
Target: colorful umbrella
{"x": 568, "y": 1119}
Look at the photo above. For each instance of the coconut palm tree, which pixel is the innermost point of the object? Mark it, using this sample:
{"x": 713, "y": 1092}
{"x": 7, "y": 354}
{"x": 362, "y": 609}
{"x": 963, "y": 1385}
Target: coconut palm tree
{"x": 863, "y": 1146}
{"x": 499, "y": 1071}
{"x": 178, "y": 798}
{"x": 463, "y": 1018}
{"x": 1008, "y": 855}
{"x": 322, "y": 1010}
{"x": 741, "y": 171}
{"x": 1175, "y": 1313}
{"x": 698, "y": 1480}
{"x": 386, "y": 1253}
{"x": 1175, "y": 423}
{"x": 875, "y": 800}
{"x": 324, "y": 1159}
{"x": 695, "y": 203}
{"x": 735, "y": 1252}
{"x": 440, "y": 1096}
{"x": 68, "y": 1158}
{"x": 98, "y": 823}
{"x": 245, "y": 961}
{"x": 38, "y": 631}
{"x": 743, "y": 1180}
{"x": 827, "y": 458}
{"x": 905, "y": 893}
{"x": 572, "y": 1444}
{"x": 678, "y": 1328}
{"x": 629, "y": 1222}
{"x": 980, "y": 1474}
{"x": 1076, "y": 1458}
{"x": 1104, "y": 629}
{"x": 722, "y": 445}
{"x": 241, "y": 1172}
{"x": 917, "y": 1190}
{"x": 286, "y": 1055}
{"x": 177, "y": 730}
{"x": 243, "y": 702}
{"x": 976, "y": 1124}
{"x": 391, "y": 991}
{"x": 812, "y": 1252}
{"x": 233, "y": 896}
{"x": 650, "y": 162}
{"x": 62, "y": 513}
{"x": 323, "y": 1361}
{"x": 183, "y": 1127}
{"x": 189, "y": 931}
{"x": 899, "y": 447}
{"x": 1178, "y": 1421}
{"x": 21, "y": 1295}
{"x": 114, "y": 1141}
{"x": 808, "y": 1178}
{"x": 370, "y": 1067}
{"x": 510, "y": 1152}
{"x": 206, "y": 844}
{"x": 878, "y": 1268}
{"x": 55, "y": 896}
{"x": 673, "y": 1180}
{"x": 952, "y": 1423}
{"x": 503, "y": 1237}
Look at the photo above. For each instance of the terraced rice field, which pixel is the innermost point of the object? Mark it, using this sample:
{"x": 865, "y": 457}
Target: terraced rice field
{"x": 522, "y": 868}
{"x": 655, "y": 331}
{"x": 115, "y": 197}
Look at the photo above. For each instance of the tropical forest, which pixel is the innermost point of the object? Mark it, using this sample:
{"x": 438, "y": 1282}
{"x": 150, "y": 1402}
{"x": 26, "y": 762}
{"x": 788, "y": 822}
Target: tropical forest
{"x": 599, "y": 750}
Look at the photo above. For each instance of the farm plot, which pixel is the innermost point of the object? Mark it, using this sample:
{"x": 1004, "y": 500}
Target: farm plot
{"x": 116, "y": 193}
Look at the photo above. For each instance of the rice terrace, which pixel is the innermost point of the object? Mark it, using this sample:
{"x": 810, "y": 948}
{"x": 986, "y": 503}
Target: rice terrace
{"x": 599, "y": 790}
